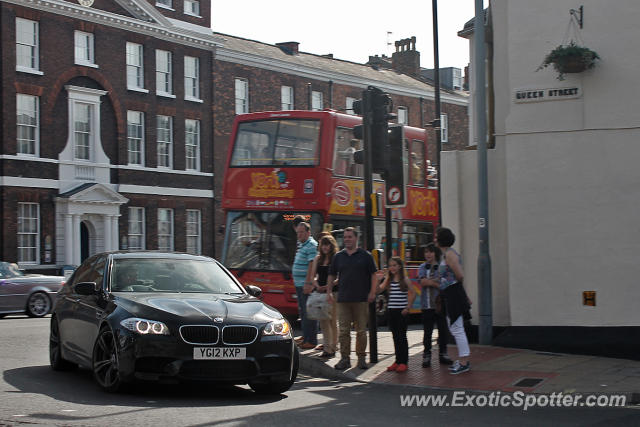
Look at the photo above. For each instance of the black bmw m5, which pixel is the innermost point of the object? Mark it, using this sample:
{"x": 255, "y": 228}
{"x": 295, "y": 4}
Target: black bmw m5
{"x": 169, "y": 317}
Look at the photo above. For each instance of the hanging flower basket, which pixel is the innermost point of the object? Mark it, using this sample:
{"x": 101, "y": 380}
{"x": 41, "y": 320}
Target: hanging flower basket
{"x": 570, "y": 58}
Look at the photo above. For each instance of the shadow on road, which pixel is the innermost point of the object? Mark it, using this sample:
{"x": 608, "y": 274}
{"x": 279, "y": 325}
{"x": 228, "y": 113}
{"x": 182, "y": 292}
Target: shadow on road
{"x": 79, "y": 387}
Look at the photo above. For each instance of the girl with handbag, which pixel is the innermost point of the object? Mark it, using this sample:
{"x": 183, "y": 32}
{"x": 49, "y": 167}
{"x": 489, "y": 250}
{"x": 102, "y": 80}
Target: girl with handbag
{"x": 327, "y": 248}
{"x": 401, "y": 297}
{"x": 456, "y": 300}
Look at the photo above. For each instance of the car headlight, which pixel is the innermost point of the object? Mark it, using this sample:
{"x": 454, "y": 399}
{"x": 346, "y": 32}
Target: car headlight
{"x": 278, "y": 327}
{"x": 145, "y": 327}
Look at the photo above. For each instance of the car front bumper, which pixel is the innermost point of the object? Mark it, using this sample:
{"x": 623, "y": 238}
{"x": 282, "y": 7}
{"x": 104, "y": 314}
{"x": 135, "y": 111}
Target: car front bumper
{"x": 167, "y": 358}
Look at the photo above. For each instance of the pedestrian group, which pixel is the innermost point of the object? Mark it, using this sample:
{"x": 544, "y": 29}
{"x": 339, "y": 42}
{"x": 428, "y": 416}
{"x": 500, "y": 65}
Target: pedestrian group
{"x": 351, "y": 280}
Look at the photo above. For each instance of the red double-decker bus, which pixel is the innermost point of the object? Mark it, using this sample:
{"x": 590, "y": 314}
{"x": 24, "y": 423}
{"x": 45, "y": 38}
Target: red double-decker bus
{"x": 287, "y": 163}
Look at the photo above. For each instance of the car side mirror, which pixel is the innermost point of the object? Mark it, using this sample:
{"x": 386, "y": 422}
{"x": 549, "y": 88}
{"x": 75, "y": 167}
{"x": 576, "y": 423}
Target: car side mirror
{"x": 86, "y": 288}
{"x": 254, "y": 291}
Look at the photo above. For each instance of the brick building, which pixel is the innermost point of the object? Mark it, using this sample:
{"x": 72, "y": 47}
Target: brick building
{"x": 106, "y": 111}
{"x": 117, "y": 113}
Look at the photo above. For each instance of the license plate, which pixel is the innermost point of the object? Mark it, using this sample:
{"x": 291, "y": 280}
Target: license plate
{"x": 219, "y": 353}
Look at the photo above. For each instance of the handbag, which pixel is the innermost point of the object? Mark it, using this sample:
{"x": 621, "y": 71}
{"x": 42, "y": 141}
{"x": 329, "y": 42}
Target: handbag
{"x": 438, "y": 304}
{"x": 318, "y": 308}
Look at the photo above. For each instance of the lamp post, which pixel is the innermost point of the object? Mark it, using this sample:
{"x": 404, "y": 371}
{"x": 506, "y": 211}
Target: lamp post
{"x": 485, "y": 327}
{"x": 436, "y": 81}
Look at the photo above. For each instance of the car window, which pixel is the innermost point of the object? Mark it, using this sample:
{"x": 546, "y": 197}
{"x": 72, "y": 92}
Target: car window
{"x": 8, "y": 270}
{"x": 97, "y": 272}
{"x": 171, "y": 275}
{"x": 82, "y": 274}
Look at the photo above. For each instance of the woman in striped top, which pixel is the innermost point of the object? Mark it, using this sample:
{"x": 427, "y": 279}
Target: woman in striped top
{"x": 401, "y": 296}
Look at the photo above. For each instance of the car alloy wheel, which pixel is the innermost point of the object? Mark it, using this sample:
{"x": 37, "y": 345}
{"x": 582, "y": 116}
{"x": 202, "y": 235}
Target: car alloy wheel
{"x": 38, "y": 304}
{"x": 105, "y": 361}
{"x": 55, "y": 354}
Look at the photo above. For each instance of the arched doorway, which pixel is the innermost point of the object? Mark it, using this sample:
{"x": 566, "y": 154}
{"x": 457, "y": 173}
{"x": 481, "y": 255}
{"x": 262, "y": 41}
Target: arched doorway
{"x": 84, "y": 241}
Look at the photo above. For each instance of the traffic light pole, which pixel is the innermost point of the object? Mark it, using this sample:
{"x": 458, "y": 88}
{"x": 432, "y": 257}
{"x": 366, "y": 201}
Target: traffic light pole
{"x": 367, "y": 115}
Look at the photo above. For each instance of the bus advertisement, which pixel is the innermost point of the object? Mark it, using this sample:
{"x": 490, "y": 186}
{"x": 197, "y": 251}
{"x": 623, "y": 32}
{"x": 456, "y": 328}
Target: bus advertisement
{"x": 287, "y": 163}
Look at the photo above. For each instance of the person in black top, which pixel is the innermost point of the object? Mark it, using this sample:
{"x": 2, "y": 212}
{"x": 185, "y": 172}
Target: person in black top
{"x": 327, "y": 248}
{"x": 356, "y": 273}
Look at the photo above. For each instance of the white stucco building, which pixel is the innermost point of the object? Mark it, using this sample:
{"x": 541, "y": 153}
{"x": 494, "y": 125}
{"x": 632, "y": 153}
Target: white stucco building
{"x": 563, "y": 176}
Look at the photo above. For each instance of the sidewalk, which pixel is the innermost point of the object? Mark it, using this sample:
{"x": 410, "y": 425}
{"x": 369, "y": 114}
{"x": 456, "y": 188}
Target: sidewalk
{"x": 492, "y": 369}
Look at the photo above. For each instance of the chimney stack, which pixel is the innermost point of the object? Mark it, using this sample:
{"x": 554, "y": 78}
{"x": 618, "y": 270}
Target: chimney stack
{"x": 406, "y": 59}
{"x": 290, "y": 48}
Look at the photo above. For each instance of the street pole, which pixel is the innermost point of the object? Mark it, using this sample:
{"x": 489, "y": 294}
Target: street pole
{"x": 367, "y": 122}
{"x": 436, "y": 81}
{"x": 485, "y": 328}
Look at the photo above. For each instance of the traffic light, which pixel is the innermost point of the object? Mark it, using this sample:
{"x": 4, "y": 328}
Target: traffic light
{"x": 395, "y": 179}
{"x": 375, "y": 107}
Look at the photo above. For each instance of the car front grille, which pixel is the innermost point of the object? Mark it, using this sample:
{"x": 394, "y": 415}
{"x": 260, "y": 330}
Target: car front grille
{"x": 218, "y": 369}
{"x": 239, "y": 335}
{"x": 200, "y": 334}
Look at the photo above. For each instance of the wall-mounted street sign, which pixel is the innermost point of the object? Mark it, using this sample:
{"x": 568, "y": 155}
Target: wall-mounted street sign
{"x": 547, "y": 94}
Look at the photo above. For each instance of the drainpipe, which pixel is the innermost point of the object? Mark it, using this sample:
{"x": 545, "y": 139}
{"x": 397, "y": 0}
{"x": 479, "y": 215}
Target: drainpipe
{"x": 331, "y": 94}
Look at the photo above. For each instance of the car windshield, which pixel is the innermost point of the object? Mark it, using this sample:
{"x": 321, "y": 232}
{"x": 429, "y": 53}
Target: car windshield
{"x": 171, "y": 275}
{"x": 9, "y": 270}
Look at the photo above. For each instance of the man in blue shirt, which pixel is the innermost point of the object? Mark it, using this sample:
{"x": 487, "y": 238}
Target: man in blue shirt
{"x": 301, "y": 272}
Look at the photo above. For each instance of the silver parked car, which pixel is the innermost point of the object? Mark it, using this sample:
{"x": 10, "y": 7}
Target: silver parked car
{"x": 26, "y": 293}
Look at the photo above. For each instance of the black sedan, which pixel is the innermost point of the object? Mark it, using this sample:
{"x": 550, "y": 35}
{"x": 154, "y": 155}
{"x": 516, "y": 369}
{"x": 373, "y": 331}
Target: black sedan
{"x": 169, "y": 317}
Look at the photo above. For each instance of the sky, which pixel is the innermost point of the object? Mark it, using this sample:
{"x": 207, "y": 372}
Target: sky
{"x": 350, "y": 29}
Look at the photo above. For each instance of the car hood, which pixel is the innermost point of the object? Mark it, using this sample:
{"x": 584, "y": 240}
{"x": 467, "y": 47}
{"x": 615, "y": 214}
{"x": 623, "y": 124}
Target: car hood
{"x": 198, "y": 307}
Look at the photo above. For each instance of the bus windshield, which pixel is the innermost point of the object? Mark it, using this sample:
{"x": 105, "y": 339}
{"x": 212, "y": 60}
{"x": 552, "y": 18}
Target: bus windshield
{"x": 263, "y": 240}
{"x": 291, "y": 142}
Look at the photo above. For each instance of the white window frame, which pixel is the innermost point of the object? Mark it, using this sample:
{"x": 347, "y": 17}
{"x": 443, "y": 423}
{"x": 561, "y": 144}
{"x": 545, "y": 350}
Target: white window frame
{"x": 457, "y": 79}
{"x": 78, "y": 96}
{"x": 192, "y": 7}
{"x": 27, "y": 39}
{"x": 30, "y": 232}
{"x": 192, "y": 79}
{"x": 317, "y": 100}
{"x": 165, "y": 4}
{"x": 444, "y": 128}
{"x": 286, "y": 98}
{"x": 84, "y": 51}
{"x": 79, "y": 132}
{"x": 168, "y": 142}
{"x": 135, "y": 66}
{"x": 164, "y": 73}
{"x": 349, "y": 105}
{"x": 136, "y": 217}
{"x": 135, "y": 136}
{"x": 194, "y": 231}
{"x": 242, "y": 95}
{"x": 403, "y": 115}
{"x": 170, "y": 236}
{"x": 192, "y": 144}
{"x": 35, "y": 114}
